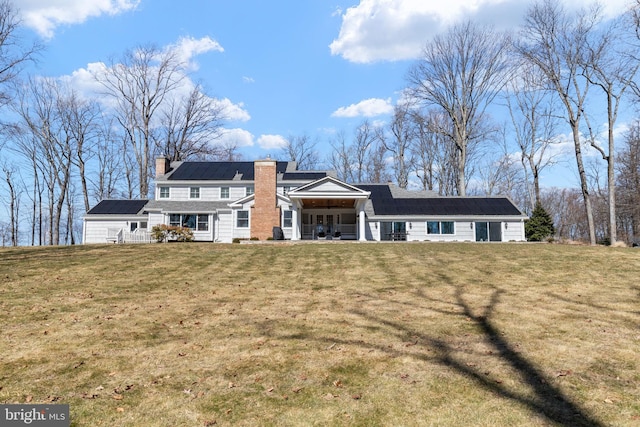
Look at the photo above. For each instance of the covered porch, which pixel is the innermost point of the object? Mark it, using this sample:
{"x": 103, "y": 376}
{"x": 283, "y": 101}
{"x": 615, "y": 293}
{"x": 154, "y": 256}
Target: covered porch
{"x": 328, "y": 209}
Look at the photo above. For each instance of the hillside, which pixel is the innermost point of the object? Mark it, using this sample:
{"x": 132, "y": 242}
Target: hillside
{"x": 324, "y": 334}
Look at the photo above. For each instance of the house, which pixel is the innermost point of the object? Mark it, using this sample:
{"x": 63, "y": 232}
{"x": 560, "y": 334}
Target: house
{"x": 223, "y": 201}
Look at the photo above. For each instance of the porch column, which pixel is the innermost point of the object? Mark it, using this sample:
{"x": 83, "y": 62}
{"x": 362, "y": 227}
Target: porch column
{"x": 295, "y": 226}
{"x": 361, "y": 228}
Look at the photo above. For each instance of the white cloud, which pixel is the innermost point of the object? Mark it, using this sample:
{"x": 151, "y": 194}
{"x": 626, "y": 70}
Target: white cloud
{"x": 234, "y": 112}
{"x": 371, "y": 107}
{"x": 392, "y": 30}
{"x": 270, "y": 142}
{"x": 44, "y": 16}
{"x": 238, "y": 137}
{"x": 248, "y": 79}
{"x": 188, "y": 47}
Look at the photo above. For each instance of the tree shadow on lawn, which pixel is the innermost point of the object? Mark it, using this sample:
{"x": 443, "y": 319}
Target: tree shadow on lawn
{"x": 545, "y": 399}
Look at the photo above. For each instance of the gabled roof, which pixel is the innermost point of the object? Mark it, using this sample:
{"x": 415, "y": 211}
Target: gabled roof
{"x": 118, "y": 207}
{"x": 330, "y": 187}
{"x": 384, "y": 203}
{"x": 219, "y": 171}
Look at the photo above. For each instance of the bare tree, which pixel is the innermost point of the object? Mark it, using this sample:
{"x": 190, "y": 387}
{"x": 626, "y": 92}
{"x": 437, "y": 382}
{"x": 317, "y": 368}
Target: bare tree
{"x": 341, "y": 157}
{"x": 533, "y": 114}
{"x": 140, "y": 84}
{"x": 610, "y": 64}
{"x": 434, "y": 152}
{"x": 628, "y": 183}
{"x": 42, "y": 109}
{"x": 377, "y": 171}
{"x": 80, "y": 119}
{"x": 397, "y": 141}
{"x": 190, "y": 126}
{"x": 9, "y": 177}
{"x": 302, "y": 150}
{"x": 555, "y": 43}
{"x": 461, "y": 72}
{"x": 13, "y": 52}
{"x": 364, "y": 139}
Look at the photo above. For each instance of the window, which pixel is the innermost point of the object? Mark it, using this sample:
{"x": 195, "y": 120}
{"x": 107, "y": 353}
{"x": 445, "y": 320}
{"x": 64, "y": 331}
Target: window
{"x": 203, "y": 222}
{"x": 164, "y": 192}
{"x": 175, "y": 220}
{"x": 196, "y": 222}
{"x": 133, "y": 226}
{"x": 287, "y": 219}
{"x": 440, "y": 227}
{"x": 194, "y": 193}
{"x": 189, "y": 221}
{"x": 243, "y": 219}
{"x": 224, "y": 192}
{"x": 286, "y": 189}
{"x": 249, "y": 190}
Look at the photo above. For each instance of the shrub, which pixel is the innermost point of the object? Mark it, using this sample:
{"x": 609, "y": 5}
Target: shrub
{"x": 164, "y": 232}
{"x": 236, "y": 240}
{"x": 540, "y": 225}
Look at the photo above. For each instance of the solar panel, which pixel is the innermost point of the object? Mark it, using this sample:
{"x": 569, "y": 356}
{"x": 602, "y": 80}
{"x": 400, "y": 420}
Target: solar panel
{"x": 218, "y": 171}
{"x": 118, "y": 207}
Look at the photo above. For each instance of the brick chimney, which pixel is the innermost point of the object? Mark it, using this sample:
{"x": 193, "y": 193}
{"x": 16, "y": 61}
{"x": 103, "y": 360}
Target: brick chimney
{"x": 163, "y": 165}
{"x": 265, "y": 213}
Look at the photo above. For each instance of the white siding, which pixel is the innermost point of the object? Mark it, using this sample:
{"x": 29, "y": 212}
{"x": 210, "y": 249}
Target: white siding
{"x": 96, "y": 230}
{"x": 416, "y": 231}
{"x": 224, "y": 227}
{"x": 513, "y": 231}
{"x": 241, "y": 233}
{"x": 155, "y": 218}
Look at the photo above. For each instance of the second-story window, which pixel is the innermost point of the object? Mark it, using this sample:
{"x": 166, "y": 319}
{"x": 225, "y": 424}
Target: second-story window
{"x": 224, "y": 192}
{"x": 194, "y": 193}
{"x": 164, "y": 192}
{"x": 249, "y": 190}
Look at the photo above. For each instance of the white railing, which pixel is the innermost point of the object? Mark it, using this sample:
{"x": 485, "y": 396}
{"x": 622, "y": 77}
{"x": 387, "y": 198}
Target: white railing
{"x": 118, "y": 235}
{"x": 138, "y": 236}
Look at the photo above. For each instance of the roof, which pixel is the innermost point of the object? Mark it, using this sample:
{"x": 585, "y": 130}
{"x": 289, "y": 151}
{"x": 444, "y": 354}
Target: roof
{"x": 118, "y": 207}
{"x": 304, "y": 176}
{"x": 194, "y": 206}
{"x": 384, "y": 203}
{"x": 219, "y": 171}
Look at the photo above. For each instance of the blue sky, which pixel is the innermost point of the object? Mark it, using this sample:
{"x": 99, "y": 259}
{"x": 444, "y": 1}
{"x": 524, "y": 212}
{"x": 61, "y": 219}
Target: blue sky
{"x": 282, "y": 67}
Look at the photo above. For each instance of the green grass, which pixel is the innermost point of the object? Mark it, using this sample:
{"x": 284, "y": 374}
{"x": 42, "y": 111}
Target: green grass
{"x": 324, "y": 334}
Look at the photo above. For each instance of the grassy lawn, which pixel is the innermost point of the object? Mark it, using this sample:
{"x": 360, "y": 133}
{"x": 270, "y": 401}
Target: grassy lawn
{"x": 324, "y": 334}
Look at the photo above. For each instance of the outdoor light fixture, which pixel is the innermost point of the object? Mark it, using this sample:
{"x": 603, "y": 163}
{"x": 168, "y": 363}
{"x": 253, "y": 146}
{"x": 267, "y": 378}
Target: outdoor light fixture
{"x": 471, "y": 225}
{"x": 506, "y": 225}
{"x": 410, "y": 225}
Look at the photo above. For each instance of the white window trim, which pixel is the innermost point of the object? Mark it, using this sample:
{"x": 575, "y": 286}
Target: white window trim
{"x": 199, "y": 193}
{"x": 228, "y": 193}
{"x": 283, "y": 218}
{"x": 248, "y": 220}
{"x": 439, "y": 233}
{"x": 160, "y": 196}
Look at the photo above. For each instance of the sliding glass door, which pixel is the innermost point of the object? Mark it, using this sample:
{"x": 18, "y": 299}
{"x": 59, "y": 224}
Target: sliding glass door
{"x": 488, "y": 231}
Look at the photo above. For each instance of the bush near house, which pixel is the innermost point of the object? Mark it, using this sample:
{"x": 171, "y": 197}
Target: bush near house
{"x": 540, "y": 225}
{"x": 163, "y": 232}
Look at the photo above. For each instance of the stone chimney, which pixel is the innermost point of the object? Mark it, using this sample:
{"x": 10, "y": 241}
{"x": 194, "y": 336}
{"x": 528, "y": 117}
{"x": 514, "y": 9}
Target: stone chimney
{"x": 163, "y": 165}
{"x": 265, "y": 213}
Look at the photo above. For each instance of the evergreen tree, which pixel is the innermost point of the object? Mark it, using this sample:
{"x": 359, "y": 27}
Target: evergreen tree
{"x": 540, "y": 225}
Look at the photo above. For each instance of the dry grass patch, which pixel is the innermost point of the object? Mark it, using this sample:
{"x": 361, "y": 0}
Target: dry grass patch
{"x": 327, "y": 334}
